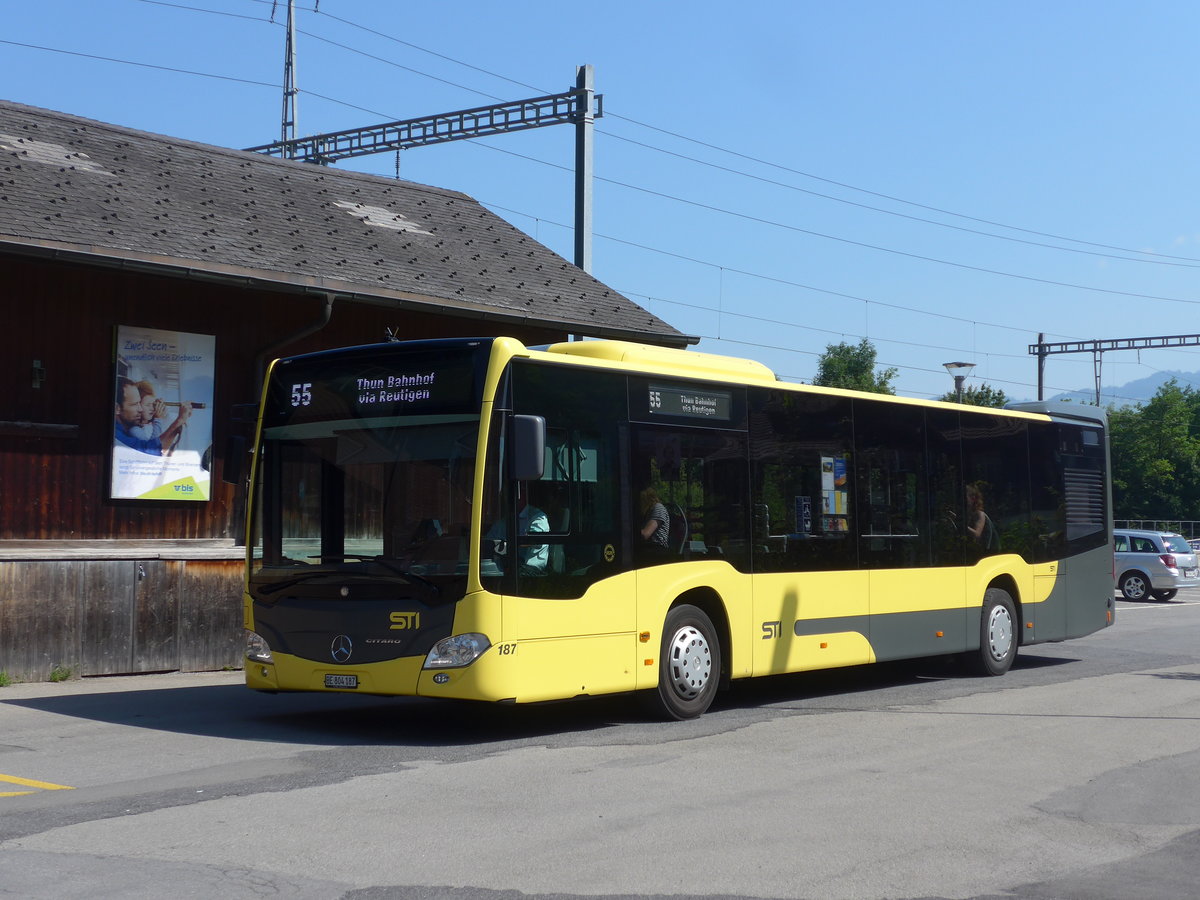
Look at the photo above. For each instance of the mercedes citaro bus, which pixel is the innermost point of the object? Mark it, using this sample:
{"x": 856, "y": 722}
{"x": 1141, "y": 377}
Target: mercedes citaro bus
{"x": 465, "y": 519}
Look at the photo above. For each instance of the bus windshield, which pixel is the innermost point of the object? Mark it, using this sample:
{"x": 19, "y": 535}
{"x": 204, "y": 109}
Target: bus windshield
{"x": 367, "y": 465}
{"x": 340, "y": 495}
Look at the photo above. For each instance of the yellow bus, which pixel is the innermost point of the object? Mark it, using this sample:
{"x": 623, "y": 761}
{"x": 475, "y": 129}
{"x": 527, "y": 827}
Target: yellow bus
{"x": 481, "y": 520}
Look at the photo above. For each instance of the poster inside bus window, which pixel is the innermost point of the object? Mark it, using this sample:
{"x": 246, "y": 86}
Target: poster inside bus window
{"x": 835, "y": 510}
{"x": 162, "y": 424}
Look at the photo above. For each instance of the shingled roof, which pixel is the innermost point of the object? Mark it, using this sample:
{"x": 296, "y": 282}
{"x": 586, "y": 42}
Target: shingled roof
{"x": 102, "y": 193}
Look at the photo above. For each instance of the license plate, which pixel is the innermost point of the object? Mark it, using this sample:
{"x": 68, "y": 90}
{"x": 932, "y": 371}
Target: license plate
{"x": 341, "y": 681}
{"x": 1191, "y": 573}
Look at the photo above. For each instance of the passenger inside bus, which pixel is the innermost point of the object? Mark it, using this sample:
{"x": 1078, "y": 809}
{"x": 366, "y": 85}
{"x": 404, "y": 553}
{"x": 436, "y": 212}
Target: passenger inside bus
{"x": 656, "y": 521}
{"x": 978, "y": 523}
{"x": 532, "y": 558}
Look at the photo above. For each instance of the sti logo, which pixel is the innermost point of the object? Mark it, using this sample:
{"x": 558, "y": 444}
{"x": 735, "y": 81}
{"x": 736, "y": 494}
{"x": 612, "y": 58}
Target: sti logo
{"x": 404, "y": 621}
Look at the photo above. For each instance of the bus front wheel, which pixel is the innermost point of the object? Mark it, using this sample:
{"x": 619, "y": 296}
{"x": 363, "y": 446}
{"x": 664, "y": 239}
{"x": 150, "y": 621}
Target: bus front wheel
{"x": 689, "y": 667}
{"x": 997, "y": 634}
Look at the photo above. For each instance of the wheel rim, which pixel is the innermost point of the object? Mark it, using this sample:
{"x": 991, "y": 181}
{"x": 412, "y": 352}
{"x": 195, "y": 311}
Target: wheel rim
{"x": 1000, "y": 632}
{"x": 1134, "y": 588}
{"x": 690, "y": 662}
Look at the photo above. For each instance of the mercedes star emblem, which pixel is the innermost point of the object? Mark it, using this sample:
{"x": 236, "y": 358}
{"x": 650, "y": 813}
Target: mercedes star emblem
{"x": 341, "y": 648}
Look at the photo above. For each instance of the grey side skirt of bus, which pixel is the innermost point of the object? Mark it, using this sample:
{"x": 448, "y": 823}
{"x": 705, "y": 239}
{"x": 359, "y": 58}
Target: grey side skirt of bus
{"x": 901, "y": 635}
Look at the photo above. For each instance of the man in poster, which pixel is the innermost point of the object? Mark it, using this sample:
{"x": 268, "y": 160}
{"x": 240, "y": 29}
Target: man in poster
{"x": 129, "y": 416}
{"x": 162, "y": 422}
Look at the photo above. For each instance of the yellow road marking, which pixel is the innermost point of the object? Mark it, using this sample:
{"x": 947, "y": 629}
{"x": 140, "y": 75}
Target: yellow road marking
{"x": 28, "y": 782}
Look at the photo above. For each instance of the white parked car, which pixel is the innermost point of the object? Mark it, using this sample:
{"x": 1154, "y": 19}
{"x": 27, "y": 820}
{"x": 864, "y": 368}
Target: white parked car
{"x": 1153, "y": 563}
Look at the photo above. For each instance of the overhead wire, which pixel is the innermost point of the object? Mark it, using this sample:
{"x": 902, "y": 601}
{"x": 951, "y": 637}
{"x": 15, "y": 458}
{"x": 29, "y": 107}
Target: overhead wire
{"x": 1162, "y": 261}
{"x": 1181, "y": 261}
{"x": 850, "y": 241}
{"x": 893, "y": 199}
{"x": 770, "y": 278}
{"x": 511, "y": 153}
{"x": 1159, "y": 258}
{"x": 651, "y": 192}
{"x": 837, "y": 333}
{"x": 1154, "y": 257}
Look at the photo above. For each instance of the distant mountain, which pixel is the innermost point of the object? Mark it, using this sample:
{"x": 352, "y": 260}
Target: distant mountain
{"x": 1134, "y": 392}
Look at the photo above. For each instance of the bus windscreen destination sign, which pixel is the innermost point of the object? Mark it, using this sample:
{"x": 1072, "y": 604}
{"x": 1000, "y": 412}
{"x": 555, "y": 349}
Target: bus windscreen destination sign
{"x": 378, "y": 384}
{"x": 690, "y": 402}
{"x": 412, "y": 387}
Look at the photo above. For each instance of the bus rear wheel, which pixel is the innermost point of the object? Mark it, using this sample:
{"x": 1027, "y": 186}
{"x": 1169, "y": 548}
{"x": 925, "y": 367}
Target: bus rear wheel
{"x": 689, "y": 667}
{"x": 997, "y": 634}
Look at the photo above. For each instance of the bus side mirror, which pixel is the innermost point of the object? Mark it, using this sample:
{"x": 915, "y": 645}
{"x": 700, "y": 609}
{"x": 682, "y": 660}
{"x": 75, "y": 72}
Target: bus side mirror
{"x": 237, "y": 446}
{"x": 527, "y": 448}
{"x": 234, "y": 471}
{"x": 245, "y": 413}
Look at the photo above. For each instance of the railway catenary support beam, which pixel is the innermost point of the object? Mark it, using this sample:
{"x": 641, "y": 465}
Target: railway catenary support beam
{"x": 580, "y": 107}
{"x": 1098, "y": 347}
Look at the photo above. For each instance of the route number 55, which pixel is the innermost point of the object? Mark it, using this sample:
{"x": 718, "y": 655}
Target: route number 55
{"x": 302, "y": 394}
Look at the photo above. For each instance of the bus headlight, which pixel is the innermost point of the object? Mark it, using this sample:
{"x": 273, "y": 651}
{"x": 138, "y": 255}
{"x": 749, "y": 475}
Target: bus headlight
{"x": 457, "y": 651}
{"x": 257, "y": 649}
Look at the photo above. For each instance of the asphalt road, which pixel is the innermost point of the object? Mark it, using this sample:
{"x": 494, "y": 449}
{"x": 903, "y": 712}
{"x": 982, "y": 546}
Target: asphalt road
{"x": 1074, "y": 776}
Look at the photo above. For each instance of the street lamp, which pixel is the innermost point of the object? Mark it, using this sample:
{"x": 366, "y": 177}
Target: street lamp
{"x": 959, "y": 372}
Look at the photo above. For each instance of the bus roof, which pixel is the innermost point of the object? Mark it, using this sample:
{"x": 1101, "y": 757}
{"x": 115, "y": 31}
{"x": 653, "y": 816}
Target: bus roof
{"x": 694, "y": 363}
{"x": 706, "y": 365}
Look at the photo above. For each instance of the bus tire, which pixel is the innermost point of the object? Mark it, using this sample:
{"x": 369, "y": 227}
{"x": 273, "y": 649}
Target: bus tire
{"x": 997, "y": 634}
{"x": 689, "y": 666}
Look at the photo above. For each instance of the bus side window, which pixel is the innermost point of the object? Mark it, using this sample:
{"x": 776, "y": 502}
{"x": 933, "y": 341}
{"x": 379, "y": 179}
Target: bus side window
{"x": 996, "y": 483}
{"x": 699, "y": 476}
{"x": 802, "y": 482}
{"x": 893, "y": 503}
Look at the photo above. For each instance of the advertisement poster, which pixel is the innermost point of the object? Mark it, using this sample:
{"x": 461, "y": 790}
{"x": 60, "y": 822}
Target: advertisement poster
{"x": 804, "y": 514}
{"x": 162, "y": 427}
{"x": 834, "y": 495}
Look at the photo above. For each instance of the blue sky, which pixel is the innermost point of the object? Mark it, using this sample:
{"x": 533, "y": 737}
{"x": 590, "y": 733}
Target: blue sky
{"x": 946, "y": 179}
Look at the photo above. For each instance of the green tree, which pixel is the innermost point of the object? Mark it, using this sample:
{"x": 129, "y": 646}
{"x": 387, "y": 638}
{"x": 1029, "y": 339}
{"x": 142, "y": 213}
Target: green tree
{"x": 983, "y": 395}
{"x": 853, "y": 366}
{"x": 1156, "y": 456}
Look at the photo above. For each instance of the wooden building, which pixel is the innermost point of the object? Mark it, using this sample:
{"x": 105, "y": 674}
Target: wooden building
{"x": 107, "y": 232}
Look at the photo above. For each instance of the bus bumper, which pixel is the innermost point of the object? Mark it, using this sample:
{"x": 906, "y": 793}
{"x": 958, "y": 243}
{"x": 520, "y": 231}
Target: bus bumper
{"x": 396, "y": 677}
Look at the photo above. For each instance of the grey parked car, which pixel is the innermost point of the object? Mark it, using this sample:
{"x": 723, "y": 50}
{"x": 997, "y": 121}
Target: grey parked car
{"x": 1154, "y": 563}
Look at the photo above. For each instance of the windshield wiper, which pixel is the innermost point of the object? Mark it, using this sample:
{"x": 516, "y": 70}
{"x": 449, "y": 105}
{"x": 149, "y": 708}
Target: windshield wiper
{"x": 387, "y": 563}
{"x": 289, "y": 582}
